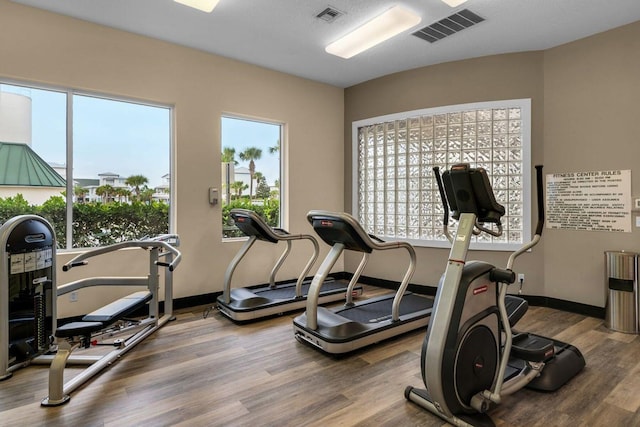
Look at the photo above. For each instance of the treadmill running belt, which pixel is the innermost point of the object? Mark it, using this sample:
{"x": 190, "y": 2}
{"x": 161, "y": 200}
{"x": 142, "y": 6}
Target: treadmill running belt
{"x": 379, "y": 311}
{"x": 288, "y": 291}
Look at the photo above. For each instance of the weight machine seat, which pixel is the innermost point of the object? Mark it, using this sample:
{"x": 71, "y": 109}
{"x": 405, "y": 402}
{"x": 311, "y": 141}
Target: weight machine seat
{"x": 74, "y": 329}
{"x": 119, "y": 308}
{"x": 104, "y": 316}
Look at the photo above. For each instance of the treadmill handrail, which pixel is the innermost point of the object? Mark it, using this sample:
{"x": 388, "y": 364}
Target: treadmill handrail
{"x": 273, "y": 234}
{"x": 338, "y": 248}
{"x": 266, "y": 230}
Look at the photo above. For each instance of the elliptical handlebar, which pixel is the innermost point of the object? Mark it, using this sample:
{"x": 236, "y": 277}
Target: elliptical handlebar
{"x": 540, "y": 192}
{"x": 445, "y": 204}
{"x": 539, "y": 226}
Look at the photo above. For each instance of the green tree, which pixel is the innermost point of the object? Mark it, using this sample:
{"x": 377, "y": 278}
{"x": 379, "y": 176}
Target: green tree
{"x": 105, "y": 192}
{"x": 80, "y": 193}
{"x": 258, "y": 176}
{"x": 121, "y": 193}
{"x": 250, "y": 154}
{"x": 238, "y": 186}
{"x": 229, "y": 155}
{"x": 13, "y": 206}
{"x": 146, "y": 195}
{"x": 136, "y": 181}
{"x": 275, "y": 149}
{"x": 262, "y": 190}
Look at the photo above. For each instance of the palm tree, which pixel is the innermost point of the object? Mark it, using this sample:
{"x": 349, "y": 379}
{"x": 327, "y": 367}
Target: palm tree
{"x": 229, "y": 155}
{"x": 136, "y": 181}
{"x": 121, "y": 192}
{"x": 275, "y": 149}
{"x": 80, "y": 193}
{"x": 250, "y": 154}
{"x": 146, "y": 195}
{"x": 238, "y": 186}
{"x": 104, "y": 191}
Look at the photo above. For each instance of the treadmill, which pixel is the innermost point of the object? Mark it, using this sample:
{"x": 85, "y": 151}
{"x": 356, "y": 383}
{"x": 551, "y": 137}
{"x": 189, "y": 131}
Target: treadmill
{"x": 244, "y": 304}
{"x": 359, "y": 324}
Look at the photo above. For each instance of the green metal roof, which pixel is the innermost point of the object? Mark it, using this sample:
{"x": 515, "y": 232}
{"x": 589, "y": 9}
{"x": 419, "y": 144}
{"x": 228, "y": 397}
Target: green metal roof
{"x": 20, "y": 165}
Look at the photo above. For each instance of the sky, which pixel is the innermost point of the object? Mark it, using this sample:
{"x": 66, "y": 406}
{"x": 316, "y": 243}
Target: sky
{"x": 108, "y": 136}
{"x": 241, "y": 134}
{"x": 129, "y": 139}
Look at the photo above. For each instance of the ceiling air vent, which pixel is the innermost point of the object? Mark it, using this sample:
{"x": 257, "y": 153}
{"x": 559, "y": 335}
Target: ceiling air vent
{"x": 448, "y": 26}
{"x": 330, "y": 14}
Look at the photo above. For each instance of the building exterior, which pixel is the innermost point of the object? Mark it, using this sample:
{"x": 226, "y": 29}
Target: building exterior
{"x": 22, "y": 171}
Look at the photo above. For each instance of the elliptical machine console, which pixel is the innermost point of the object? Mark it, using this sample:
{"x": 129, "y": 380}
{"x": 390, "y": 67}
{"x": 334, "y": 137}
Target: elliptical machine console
{"x": 470, "y": 356}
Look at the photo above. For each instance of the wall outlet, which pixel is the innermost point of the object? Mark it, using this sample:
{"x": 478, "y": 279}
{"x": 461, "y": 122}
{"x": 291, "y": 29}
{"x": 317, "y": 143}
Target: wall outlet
{"x": 520, "y": 277}
{"x": 73, "y": 297}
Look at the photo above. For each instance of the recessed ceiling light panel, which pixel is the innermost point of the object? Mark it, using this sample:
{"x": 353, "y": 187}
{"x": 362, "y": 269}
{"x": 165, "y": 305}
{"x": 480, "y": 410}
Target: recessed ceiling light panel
{"x": 203, "y": 5}
{"x": 454, "y": 3}
{"x": 381, "y": 28}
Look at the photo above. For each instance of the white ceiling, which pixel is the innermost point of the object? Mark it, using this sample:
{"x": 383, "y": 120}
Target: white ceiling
{"x": 285, "y": 35}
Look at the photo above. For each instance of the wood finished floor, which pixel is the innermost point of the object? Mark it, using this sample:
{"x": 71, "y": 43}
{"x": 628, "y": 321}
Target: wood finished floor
{"x": 212, "y": 372}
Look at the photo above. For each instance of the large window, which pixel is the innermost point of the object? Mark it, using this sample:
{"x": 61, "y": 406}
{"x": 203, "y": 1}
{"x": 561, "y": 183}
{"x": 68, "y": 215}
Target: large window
{"x": 251, "y": 172}
{"x": 97, "y": 168}
{"x": 395, "y": 193}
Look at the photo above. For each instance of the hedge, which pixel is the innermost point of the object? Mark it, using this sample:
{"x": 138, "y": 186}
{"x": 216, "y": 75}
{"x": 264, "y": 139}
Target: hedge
{"x": 94, "y": 223}
{"x": 101, "y": 224}
{"x": 269, "y": 210}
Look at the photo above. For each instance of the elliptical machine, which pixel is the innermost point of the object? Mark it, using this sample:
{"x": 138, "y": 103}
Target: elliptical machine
{"x": 470, "y": 357}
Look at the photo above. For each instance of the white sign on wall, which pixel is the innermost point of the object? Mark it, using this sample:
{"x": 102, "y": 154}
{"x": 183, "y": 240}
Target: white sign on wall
{"x": 594, "y": 201}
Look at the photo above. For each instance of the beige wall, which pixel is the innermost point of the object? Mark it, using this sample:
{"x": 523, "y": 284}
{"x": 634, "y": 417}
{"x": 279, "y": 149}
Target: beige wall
{"x": 591, "y": 110}
{"x": 39, "y": 46}
{"x": 584, "y": 117}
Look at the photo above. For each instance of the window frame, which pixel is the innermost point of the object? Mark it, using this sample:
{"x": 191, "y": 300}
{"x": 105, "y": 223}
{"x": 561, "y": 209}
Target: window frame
{"x": 283, "y": 218}
{"x": 524, "y": 104}
{"x": 70, "y": 93}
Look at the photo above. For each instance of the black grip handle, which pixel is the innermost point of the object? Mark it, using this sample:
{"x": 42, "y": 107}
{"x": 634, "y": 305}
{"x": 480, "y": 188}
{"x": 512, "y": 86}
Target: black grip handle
{"x": 70, "y": 265}
{"x": 500, "y": 275}
{"x": 166, "y": 264}
{"x": 443, "y": 197}
{"x": 376, "y": 238}
{"x": 540, "y": 191}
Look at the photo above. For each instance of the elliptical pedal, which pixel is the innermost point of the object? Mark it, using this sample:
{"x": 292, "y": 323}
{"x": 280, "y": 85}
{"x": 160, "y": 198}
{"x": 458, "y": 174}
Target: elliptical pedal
{"x": 532, "y": 348}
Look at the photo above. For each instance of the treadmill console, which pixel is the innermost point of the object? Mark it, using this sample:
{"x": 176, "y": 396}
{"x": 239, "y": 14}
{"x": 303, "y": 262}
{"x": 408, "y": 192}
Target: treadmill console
{"x": 340, "y": 229}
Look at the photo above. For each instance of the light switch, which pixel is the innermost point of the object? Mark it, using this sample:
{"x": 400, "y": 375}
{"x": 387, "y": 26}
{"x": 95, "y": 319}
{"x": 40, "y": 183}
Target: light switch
{"x": 213, "y": 196}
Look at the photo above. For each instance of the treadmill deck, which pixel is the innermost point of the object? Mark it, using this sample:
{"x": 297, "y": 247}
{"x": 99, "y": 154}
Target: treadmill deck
{"x": 255, "y": 303}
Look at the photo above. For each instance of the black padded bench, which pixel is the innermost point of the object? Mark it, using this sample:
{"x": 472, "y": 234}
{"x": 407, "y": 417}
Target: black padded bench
{"x": 104, "y": 316}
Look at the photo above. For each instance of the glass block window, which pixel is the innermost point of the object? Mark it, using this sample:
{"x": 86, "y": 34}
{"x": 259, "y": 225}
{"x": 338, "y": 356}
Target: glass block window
{"x": 395, "y": 193}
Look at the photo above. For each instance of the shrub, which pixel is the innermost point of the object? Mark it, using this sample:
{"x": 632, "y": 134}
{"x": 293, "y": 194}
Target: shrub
{"x": 269, "y": 210}
{"x": 94, "y": 223}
